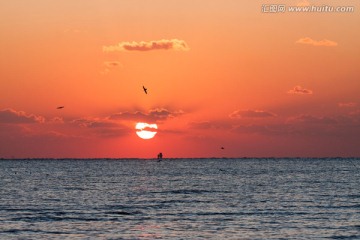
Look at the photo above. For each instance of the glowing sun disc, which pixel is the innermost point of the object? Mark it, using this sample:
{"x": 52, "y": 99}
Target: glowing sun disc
{"x": 145, "y": 130}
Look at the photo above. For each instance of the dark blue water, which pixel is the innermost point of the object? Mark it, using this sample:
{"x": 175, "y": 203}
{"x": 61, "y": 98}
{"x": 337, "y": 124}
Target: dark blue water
{"x": 180, "y": 199}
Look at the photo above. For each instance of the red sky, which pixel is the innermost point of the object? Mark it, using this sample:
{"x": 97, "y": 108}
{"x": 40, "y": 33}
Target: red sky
{"x": 219, "y": 73}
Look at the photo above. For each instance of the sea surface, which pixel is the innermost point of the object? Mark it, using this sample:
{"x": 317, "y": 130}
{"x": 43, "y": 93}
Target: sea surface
{"x": 180, "y": 199}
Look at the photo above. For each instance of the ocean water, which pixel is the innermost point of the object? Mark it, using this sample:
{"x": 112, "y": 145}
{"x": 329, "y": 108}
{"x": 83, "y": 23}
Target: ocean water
{"x": 180, "y": 199}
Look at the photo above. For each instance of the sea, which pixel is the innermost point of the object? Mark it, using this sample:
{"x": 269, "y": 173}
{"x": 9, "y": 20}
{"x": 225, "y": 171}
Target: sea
{"x": 209, "y": 198}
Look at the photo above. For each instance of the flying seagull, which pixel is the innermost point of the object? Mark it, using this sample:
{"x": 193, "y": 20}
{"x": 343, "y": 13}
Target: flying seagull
{"x": 61, "y": 107}
{"x": 145, "y": 90}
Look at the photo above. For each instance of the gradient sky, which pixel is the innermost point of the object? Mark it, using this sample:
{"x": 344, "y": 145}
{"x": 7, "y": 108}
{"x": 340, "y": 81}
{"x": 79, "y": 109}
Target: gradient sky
{"x": 219, "y": 73}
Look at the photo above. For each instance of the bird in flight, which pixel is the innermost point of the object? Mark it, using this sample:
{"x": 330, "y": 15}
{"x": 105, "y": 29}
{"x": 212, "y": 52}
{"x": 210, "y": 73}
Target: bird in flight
{"x": 145, "y": 90}
{"x": 222, "y": 148}
{"x": 61, "y": 107}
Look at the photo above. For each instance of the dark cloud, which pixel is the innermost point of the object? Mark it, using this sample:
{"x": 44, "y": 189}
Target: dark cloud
{"x": 162, "y": 113}
{"x": 50, "y": 135}
{"x": 309, "y": 119}
{"x": 209, "y": 125}
{"x": 157, "y": 114}
{"x": 273, "y": 130}
{"x": 164, "y": 44}
{"x": 251, "y": 114}
{"x": 112, "y": 132}
{"x": 355, "y": 113}
{"x": 137, "y": 116}
{"x": 300, "y": 90}
{"x": 332, "y": 126}
{"x": 201, "y": 125}
{"x": 11, "y": 116}
{"x": 347, "y": 104}
{"x": 307, "y": 125}
{"x": 94, "y": 123}
{"x": 102, "y": 127}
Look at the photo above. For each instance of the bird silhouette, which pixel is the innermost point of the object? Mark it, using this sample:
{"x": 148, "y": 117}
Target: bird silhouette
{"x": 61, "y": 107}
{"x": 145, "y": 90}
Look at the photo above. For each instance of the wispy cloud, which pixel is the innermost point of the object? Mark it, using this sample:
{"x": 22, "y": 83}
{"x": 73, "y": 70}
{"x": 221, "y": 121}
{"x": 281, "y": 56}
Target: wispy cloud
{"x": 251, "y": 114}
{"x": 156, "y": 114}
{"x": 309, "y": 119}
{"x": 309, "y": 41}
{"x": 93, "y": 123}
{"x": 300, "y": 90}
{"x": 75, "y": 31}
{"x": 12, "y": 116}
{"x": 163, "y": 113}
{"x": 355, "y": 113}
{"x": 306, "y": 125}
{"x": 152, "y": 115}
{"x": 205, "y": 125}
{"x": 102, "y": 127}
{"x": 111, "y": 64}
{"x": 335, "y": 126}
{"x": 163, "y": 44}
{"x": 273, "y": 130}
{"x": 137, "y": 115}
{"x": 58, "y": 120}
{"x": 347, "y": 104}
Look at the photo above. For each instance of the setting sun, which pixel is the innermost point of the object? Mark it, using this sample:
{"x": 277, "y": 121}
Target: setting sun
{"x": 145, "y": 130}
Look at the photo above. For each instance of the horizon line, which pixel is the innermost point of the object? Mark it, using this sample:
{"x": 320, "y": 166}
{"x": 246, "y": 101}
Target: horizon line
{"x": 170, "y": 158}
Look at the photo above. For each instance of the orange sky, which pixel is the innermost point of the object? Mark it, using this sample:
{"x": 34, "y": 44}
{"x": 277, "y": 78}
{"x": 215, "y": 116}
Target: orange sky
{"x": 218, "y": 73}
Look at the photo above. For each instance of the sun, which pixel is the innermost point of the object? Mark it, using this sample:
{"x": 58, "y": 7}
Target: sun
{"x": 145, "y": 130}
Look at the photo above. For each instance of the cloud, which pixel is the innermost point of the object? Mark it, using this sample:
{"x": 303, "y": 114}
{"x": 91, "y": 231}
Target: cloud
{"x": 201, "y": 125}
{"x": 209, "y": 125}
{"x": 274, "y": 129}
{"x": 251, "y": 114}
{"x": 152, "y": 115}
{"x": 48, "y": 135}
{"x": 164, "y": 44}
{"x": 111, "y": 64}
{"x": 58, "y": 120}
{"x": 309, "y": 119}
{"x": 74, "y": 30}
{"x": 355, "y": 113}
{"x": 305, "y": 125}
{"x": 102, "y": 127}
{"x": 347, "y": 104}
{"x": 309, "y": 41}
{"x": 162, "y": 113}
{"x": 94, "y": 123}
{"x": 137, "y": 115}
{"x": 300, "y": 90}
{"x": 17, "y": 117}
{"x": 332, "y": 126}
{"x": 254, "y": 129}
